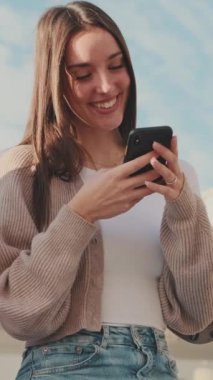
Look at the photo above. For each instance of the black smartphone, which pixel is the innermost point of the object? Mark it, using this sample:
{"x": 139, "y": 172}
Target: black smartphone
{"x": 140, "y": 142}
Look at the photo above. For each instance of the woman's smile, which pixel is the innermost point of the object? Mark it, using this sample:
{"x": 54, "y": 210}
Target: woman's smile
{"x": 107, "y": 104}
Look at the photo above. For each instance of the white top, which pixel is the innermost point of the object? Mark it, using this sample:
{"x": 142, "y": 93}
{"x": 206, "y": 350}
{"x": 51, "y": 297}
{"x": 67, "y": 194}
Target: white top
{"x": 133, "y": 262}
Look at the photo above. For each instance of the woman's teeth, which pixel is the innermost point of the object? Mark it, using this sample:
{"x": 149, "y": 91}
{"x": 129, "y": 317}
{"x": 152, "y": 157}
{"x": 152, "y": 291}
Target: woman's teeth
{"x": 106, "y": 105}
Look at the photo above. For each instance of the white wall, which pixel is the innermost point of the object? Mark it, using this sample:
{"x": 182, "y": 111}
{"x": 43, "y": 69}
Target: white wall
{"x": 9, "y": 364}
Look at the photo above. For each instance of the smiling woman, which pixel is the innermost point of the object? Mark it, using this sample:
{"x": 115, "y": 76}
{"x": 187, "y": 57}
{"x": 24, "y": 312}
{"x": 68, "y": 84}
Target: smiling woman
{"x": 95, "y": 261}
{"x": 98, "y": 78}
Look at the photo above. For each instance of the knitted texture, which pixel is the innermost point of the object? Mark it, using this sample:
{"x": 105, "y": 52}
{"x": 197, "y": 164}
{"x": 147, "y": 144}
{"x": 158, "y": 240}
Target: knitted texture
{"x": 51, "y": 282}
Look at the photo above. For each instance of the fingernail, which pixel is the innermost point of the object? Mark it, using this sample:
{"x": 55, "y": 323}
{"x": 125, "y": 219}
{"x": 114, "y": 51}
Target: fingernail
{"x": 153, "y": 161}
{"x": 174, "y": 138}
{"x": 147, "y": 183}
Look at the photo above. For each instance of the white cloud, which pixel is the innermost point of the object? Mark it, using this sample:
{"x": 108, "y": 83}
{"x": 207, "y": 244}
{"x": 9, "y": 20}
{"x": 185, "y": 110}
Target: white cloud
{"x": 196, "y": 17}
{"x": 175, "y": 58}
{"x": 5, "y": 53}
{"x": 14, "y": 98}
{"x": 11, "y": 26}
{"x": 189, "y": 59}
{"x": 14, "y": 92}
{"x": 16, "y": 78}
{"x": 10, "y": 136}
{"x": 154, "y": 104}
{"x": 16, "y": 26}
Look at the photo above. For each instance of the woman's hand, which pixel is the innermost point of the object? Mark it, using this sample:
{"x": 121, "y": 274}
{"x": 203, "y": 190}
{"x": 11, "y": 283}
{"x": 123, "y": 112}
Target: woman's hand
{"x": 172, "y": 174}
{"x": 113, "y": 191}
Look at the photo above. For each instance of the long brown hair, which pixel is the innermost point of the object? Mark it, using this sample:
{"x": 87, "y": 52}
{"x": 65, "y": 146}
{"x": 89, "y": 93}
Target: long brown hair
{"x": 50, "y": 128}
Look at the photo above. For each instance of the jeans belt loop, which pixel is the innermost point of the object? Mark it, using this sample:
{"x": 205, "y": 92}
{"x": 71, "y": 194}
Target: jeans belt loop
{"x": 105, "y": 337}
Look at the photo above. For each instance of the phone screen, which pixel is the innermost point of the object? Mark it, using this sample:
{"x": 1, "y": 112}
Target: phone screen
{"x": 140, "y": 142}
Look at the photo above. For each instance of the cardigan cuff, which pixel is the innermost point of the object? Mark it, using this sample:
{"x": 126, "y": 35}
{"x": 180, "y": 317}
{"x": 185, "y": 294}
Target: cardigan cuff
{"x": 184, "y": 207}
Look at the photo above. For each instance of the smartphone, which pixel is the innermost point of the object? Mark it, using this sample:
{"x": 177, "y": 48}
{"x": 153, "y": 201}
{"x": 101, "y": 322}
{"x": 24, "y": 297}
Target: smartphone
{"x": 140, "y": 142}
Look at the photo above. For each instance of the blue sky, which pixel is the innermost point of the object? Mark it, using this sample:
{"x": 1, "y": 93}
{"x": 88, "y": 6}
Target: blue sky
{"x": 172, "y": 52}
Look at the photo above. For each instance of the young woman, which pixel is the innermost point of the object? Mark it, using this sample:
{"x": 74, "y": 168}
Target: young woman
{"x": 94, "y": 265}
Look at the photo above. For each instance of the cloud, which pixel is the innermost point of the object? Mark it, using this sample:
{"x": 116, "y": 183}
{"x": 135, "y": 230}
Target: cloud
{"x": 196, "y": 17}
{"x": 14, "y": 91}
{"x": 14, "y": 98}
{"x": 195, "y": 50}
{"x": 16, "y": 77}
{"x": 4, "y": 53}
{"x": 16, "y": 26}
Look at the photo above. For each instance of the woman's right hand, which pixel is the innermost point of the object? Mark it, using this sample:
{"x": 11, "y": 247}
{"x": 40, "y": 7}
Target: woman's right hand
{"x": 113, "y": 191}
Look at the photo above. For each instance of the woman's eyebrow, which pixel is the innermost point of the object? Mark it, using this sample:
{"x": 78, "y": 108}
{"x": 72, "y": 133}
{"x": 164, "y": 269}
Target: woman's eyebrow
{"x": 87, "y": 64}
{"x": 115, "y": 55}
{"x": 76, "y": 65}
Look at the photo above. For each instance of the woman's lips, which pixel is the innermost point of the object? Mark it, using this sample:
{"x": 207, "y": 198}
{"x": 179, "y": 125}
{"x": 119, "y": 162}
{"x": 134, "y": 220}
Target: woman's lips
{"x": 106, "y": 106}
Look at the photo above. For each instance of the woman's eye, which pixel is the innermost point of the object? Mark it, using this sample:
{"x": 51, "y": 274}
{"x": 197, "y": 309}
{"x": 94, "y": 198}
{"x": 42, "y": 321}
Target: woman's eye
{"x": 116, "y": 67}
{"x": 82, "y": 77}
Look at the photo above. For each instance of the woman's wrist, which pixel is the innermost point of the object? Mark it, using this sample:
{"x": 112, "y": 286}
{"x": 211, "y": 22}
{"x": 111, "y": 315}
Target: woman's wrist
{"x": 81, "y": 211}
{"x": 184, "y": 206}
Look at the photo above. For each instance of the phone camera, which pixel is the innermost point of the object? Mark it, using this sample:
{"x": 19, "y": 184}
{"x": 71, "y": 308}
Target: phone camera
{"x": 137, "y": 140}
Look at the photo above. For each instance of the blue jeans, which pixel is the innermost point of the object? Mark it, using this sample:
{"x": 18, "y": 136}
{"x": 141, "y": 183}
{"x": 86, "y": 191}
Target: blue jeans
{"x": 116, "y": 352}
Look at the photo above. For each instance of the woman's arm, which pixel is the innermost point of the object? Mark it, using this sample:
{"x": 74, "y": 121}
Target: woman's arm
{"x": 204, "y": 336}
{"x": 37, "y": 270}
{"x": 186, "y": 284}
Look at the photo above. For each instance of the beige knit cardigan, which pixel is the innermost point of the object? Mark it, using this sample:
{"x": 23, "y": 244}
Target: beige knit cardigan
{"x": 51, "y": 282}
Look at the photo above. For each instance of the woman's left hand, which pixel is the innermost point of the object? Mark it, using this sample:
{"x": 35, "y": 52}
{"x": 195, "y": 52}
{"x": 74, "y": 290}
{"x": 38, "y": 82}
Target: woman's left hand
{"x": 172, "y": 174}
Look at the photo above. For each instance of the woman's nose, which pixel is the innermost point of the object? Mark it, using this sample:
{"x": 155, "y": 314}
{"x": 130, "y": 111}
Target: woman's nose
{"x": 104, "y": 84}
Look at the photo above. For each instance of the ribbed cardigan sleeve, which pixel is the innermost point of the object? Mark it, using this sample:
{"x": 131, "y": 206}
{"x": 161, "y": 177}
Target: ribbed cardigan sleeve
{"x": 186, "y": 283}
{"x": 37, "y": 270}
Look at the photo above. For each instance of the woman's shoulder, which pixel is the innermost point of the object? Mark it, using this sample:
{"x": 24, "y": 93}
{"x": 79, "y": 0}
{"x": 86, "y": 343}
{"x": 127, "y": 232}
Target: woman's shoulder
{"x": 17, "y": 157}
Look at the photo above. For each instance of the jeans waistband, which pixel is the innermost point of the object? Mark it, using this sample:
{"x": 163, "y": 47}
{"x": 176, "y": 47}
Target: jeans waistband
{"x": 110, "y": 335}
{"x": 140, "y": 336}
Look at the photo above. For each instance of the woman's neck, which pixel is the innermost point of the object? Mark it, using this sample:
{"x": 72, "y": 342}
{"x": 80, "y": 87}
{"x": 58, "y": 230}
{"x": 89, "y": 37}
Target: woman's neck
{"x": 104, "y": 149}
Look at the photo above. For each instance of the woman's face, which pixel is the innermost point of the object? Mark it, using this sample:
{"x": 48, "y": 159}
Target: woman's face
{"x": 98, "y": 81}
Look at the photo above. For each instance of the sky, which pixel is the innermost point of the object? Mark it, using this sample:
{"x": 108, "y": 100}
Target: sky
{"x": 170, "y": 42}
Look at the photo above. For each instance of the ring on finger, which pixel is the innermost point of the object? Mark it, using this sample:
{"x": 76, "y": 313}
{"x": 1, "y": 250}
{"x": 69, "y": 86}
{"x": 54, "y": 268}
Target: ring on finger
{"x": 172, "y": 182}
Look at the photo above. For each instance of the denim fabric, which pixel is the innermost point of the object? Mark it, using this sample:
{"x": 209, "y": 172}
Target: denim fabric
{"x": 116, "y": 352}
